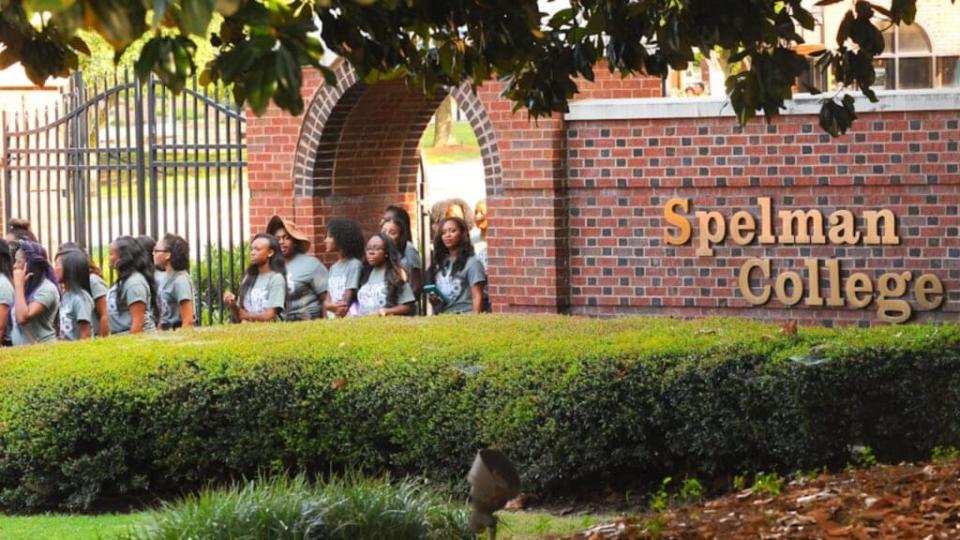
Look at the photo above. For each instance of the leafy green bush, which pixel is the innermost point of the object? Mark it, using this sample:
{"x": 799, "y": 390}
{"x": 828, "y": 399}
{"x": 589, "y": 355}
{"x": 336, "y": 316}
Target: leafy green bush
{"x": 570, "y": 400}
{"x": 338, "y": 509}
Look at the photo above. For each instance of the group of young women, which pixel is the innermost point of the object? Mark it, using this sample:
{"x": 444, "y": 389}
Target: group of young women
{"x": 380, "y": 275}
{"x": 42, "y": 301}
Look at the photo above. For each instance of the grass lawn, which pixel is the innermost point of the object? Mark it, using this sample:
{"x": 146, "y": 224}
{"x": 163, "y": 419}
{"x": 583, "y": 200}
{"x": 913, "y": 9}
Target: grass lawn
{"x": 513, "y": 525}
{"x": 65, "y": 527}
{"x": 466, "y": 150}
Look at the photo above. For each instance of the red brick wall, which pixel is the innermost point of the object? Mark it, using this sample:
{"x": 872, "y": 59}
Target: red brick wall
{"x": 622, "y": 173}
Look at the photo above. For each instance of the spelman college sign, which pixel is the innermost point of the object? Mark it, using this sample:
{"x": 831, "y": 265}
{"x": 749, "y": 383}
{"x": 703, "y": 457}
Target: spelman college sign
{"x": 807, "y": 227}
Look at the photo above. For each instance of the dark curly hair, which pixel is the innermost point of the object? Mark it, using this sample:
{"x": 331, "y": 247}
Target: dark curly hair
{"x": 132, "y": 258}
{"x": 394, "y": 276}
{"x": 348, "y": 236}
{"x": 179, "y": 251}
{"x": 440, "y": 252}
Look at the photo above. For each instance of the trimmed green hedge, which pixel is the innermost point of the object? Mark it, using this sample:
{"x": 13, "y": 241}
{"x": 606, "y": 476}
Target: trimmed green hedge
{"x": 570, "y": 400}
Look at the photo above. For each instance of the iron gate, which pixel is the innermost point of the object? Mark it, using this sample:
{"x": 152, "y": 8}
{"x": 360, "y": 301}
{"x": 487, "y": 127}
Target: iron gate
{"x": 115, "y": 157}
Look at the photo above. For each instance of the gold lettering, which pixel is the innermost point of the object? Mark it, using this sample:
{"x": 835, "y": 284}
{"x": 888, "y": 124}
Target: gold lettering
{"x": 873, "y": 238}
{"x": 708, "y": 236}
{"x": 796, "y": 288}
{"x": 806, "y": 221}
{"x": 682, "y": 223}
{"x": 843, "y": 228}
{"x": 813, "y": 282}
{"x": 889, "y": 306}
{"x": 856, "y": 284}
{"x": 833, "y": 271}
{"x": 766, "y": 222}
{"x": 744, "y": 279}
{"x": 929, "y": 284}
{"x": 742, "y": 222}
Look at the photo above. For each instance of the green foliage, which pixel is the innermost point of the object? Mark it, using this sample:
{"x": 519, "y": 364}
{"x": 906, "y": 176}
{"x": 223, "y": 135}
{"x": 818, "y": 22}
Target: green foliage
{"x": 337, "y": 509}
{"x": 691, "y": 491}
{"x": 945, "y": 453}
{"x": 864, "y": 457}
{"x": 571, "y": 401}
{"x": 767, "y": 483}
{"x": 740, "y": 482}
{"x": 264, "y": 44}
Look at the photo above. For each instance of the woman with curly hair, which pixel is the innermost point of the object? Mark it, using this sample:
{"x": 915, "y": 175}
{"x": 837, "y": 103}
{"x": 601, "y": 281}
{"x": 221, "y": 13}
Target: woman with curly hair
{"x": 263, "y": 291}
{"x": 37, "y": 298}
{"x": 384, "y": 289}
{"x": 171, "y": 257}
{"x": 345, "y": 240}
{"x": 132, "y": 301}
{"x": 456, "y": 274}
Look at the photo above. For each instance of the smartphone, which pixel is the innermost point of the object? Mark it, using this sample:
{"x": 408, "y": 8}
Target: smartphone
{"x": 432, "y": 289}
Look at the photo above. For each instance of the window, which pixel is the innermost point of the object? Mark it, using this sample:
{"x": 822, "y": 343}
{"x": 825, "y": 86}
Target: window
{"x": 907, "y": 61}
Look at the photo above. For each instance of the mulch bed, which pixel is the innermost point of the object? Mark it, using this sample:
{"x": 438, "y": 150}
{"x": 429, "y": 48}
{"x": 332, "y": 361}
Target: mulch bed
{"x": 906, "y": 501}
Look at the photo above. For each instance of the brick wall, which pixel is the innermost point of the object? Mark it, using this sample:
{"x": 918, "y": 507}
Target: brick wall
{"x": 623, "y": 172}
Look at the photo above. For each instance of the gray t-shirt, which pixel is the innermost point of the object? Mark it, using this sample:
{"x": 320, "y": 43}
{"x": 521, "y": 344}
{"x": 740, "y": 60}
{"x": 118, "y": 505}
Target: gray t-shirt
{"x": 268, "y": 291}
{"x": 344, "y": 275}
{"x": 373, "y": 296}
{"x": 39, "y": 328}
{"x": 411, "y": 259}
{"x": 75, "y": 307}
{"x": 456, "y": 285}
{"x": 135, "y": 289}
{"x": 98, "y": 290}
{"x": 174, "y": 287}
{"x": 306, "y": 283}
{"x": 7, "y": 299}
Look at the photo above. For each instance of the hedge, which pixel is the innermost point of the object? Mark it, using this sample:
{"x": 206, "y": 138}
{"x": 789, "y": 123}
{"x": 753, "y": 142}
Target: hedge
{"x": 572, "y": 401}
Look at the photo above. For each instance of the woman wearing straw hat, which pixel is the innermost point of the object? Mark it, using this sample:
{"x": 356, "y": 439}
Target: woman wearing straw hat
{"x": 306, "y": 275}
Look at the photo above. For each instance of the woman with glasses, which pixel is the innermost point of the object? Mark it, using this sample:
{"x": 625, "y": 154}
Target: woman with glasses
{"x": 171, "y": 256}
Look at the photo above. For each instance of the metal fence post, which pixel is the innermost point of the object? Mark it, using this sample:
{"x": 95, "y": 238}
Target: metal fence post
{"x": 138, "y": 118}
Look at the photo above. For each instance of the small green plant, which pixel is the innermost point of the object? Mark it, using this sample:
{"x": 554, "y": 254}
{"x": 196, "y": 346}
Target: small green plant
{"x": 864, "y": 457}
{"x": 767, "y": 483}
{"x": 691, "y": 491}
{"x": 945, "y": 453}
{"x": 740, "y": 482}
{"x": 661, "y": 500}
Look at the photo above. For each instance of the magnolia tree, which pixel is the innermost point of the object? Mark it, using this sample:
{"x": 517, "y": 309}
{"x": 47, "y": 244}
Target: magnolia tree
{"x": 263, "y": 45}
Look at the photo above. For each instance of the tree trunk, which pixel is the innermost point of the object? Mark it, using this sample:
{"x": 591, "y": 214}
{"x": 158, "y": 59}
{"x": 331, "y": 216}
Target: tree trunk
{"x": 443, "y": 125}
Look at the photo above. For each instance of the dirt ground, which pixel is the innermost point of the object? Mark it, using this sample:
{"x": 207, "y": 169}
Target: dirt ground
{"x": 905, "y": 501}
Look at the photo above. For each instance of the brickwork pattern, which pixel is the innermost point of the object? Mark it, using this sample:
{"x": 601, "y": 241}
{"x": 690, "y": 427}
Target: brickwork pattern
{"x": 621, "y": 174}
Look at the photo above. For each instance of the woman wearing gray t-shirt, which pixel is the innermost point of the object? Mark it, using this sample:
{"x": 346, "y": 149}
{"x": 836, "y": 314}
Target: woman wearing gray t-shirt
{"x": 384, "y": 289}
{"x": 456, "y": 279}
{"x": 263, "y": 291}
{"x": 345, "y": 240}
{"x": 132, "y": 303}
{"x": 171, "y": 257}
{"x": 6, "y": 291}
{"x": 37, "y": 298}
{"x": 306, "y": 275}
{"x": 76, "y": 304}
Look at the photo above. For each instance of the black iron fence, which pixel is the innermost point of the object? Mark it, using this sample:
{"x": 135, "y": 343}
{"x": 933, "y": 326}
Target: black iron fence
{"x": 114, "y": 157}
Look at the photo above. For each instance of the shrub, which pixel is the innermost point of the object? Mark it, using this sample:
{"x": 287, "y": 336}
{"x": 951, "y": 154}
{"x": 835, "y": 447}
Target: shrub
{"x": 570, "y": 400}
{"x": 292, "y": 509}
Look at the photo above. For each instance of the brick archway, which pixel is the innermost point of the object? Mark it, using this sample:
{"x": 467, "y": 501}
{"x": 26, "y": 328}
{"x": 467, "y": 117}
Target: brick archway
{"x": 358, "y": 148}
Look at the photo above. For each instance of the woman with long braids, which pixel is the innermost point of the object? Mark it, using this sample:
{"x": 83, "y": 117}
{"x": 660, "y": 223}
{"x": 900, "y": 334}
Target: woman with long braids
{"x": 306, "y": 275}
{"x": 7, "y": 298}
{"x": 263, "y": 291}
{"x": 72, "y": 268}
{"x": 398, "y": 229}
{"x": 345, "y": 239}
{"x": 37, "y": 298}
{"x": 384, "y": 289}
{"x": 132, "y": 301}
{"x": 98, "y": 289}
{"x": 456, "y": 273}
{"x": 171, "y": 257}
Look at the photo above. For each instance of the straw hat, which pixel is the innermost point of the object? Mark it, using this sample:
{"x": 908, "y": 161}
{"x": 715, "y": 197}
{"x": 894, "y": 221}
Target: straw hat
{"x": 277, "y": 222}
